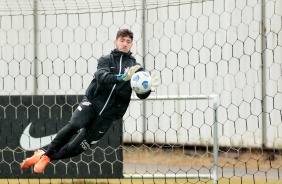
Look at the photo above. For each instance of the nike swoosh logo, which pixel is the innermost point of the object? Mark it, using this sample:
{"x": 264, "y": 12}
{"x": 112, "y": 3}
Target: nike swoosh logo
{"x": 30, "y": 143}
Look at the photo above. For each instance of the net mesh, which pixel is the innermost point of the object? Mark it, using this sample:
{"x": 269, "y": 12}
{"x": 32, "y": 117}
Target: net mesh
{"x": 15, "y": 7}
{"x": 226, "y": 48}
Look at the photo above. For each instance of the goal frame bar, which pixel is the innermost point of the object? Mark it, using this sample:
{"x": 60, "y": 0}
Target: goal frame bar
{"x": 213, "y": 176}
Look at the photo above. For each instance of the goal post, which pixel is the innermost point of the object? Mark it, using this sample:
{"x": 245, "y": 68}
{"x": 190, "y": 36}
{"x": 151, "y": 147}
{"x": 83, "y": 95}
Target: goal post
{"x": 215, "y": 104}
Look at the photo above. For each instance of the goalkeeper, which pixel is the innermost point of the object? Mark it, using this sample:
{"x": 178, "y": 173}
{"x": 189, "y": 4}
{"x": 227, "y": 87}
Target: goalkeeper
{"x": 106, "y": 100}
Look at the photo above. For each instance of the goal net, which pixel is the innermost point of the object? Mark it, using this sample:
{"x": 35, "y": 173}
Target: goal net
{"x": 228, "y": 49}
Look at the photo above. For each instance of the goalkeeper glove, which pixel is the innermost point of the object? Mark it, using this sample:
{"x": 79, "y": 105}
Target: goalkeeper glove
{"x": 154, "y": 82}
{"x": 128, "y": 73}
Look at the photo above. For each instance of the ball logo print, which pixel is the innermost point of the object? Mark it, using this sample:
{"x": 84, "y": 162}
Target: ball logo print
{"x": 145, "y": 84}
{"x": 135, "y": 78}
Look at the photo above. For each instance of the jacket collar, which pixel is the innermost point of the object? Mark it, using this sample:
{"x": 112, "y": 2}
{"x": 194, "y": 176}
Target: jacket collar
{"x": 115, "y": 52}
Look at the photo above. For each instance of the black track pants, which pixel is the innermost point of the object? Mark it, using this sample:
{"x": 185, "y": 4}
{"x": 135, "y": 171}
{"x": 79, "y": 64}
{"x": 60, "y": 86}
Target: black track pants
{"x": 88, "y": 128}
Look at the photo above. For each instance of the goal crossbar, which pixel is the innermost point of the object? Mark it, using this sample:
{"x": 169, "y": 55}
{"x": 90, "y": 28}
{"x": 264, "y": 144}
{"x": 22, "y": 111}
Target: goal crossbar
{"x": 213, "y": 176}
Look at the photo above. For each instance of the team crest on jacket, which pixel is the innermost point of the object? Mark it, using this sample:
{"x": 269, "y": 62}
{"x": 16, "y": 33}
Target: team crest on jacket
{"x": 86, "y": 103}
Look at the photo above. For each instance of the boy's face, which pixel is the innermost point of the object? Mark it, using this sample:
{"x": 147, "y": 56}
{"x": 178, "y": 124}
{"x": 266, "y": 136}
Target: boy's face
{"x": 123, "y": 44}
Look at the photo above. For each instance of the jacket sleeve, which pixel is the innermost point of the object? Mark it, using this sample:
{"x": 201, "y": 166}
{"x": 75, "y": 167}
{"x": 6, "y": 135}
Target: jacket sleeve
{"x": 103, "y": 74}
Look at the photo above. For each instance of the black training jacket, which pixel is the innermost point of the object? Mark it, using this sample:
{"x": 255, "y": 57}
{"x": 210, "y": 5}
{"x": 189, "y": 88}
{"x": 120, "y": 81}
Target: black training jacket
{"x": 109, "y": 96}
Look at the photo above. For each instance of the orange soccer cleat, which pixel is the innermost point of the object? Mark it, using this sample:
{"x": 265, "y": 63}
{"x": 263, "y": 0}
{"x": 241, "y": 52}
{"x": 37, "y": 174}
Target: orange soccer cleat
{"x": 41, "y": 164}
{"x": 32, "y": 160}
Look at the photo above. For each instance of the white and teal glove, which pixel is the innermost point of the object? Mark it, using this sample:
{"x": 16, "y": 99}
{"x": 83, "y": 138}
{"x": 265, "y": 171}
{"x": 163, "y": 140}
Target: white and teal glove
{"x": 128, "y": 73}
{"x": 155, "y": 83}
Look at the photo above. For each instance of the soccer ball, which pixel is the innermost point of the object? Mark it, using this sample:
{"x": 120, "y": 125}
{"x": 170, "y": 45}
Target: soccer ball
{"x": 141, "y": 82}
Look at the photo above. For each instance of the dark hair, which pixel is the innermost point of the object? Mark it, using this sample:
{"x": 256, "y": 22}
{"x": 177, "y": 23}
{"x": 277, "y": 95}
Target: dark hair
{"x": 124, "y": 33}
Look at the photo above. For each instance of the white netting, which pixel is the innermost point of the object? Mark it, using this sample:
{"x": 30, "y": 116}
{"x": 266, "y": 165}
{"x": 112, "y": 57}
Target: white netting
{"x": 26, "y": 7}
{"x": 228, "y": 48}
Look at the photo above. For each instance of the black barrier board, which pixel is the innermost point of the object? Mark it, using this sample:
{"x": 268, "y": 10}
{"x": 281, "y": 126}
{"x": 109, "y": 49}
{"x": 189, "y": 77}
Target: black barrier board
{"x": 42, "y": 117}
